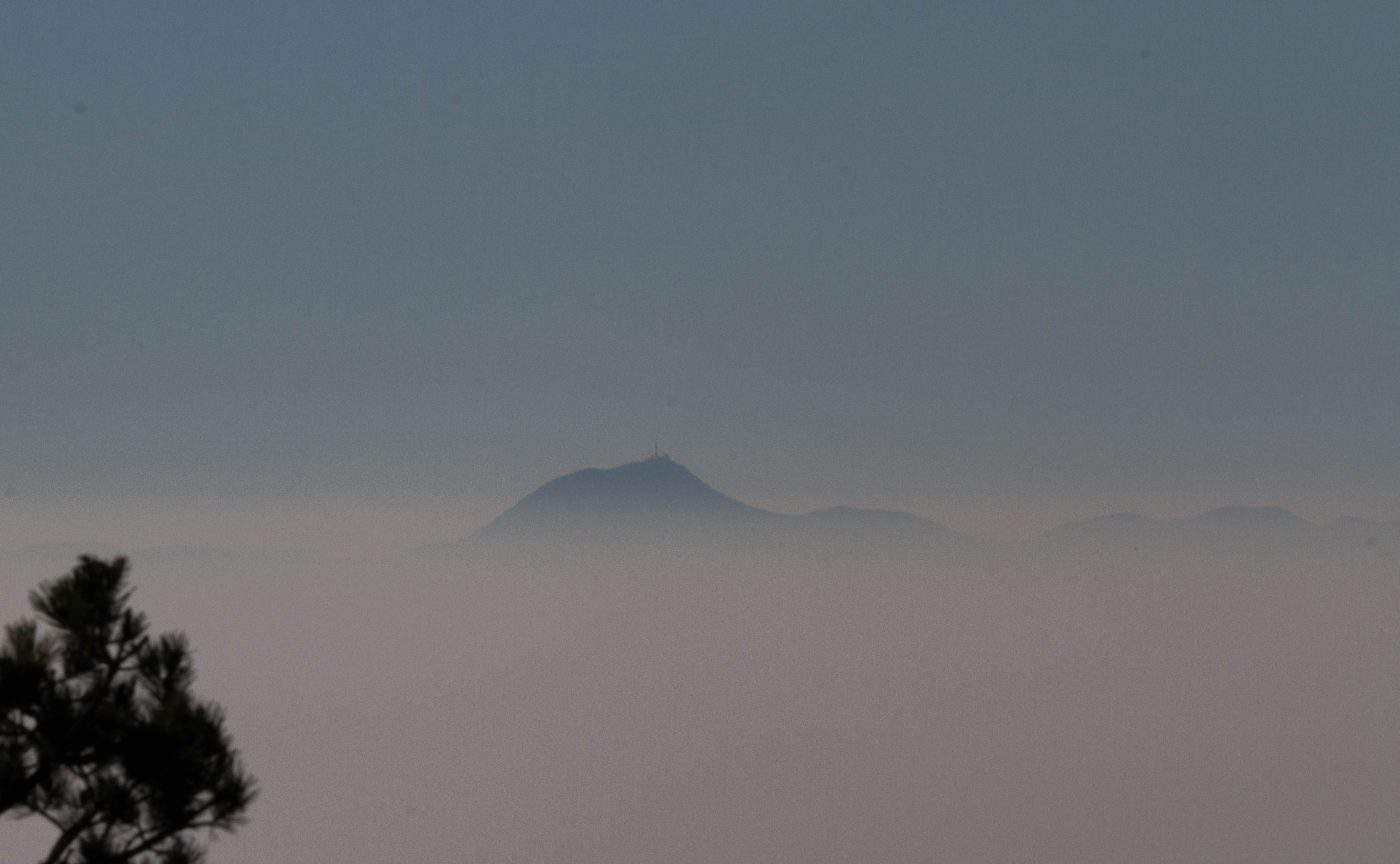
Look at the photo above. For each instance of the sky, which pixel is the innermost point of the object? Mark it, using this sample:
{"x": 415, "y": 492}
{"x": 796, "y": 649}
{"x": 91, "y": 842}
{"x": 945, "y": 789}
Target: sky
{"x": 819, "y": 252}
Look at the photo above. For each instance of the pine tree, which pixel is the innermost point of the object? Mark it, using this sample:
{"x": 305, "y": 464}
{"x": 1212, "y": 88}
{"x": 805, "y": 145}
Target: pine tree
{"x": 101, "y": 735}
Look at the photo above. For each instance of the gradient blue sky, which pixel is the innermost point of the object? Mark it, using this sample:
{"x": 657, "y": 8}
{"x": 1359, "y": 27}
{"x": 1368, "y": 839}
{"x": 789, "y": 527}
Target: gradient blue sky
{"x": 816, "y": 250}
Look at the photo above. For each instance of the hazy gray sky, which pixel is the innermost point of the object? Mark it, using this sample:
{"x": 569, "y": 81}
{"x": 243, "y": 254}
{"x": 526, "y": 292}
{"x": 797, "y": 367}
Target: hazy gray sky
{"x": 815, "y": 249}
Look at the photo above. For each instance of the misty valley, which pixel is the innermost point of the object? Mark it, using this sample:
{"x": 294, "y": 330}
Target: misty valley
{"x": 629, "y": 666}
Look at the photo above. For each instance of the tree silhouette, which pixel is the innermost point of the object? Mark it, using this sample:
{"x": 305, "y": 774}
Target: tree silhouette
{"x": 101, "y": 735}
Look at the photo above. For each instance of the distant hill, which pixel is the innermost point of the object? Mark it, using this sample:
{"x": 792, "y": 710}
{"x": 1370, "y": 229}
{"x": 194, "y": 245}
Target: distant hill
{"x": 651, "y": 494}
{"x": 660, "y": 499}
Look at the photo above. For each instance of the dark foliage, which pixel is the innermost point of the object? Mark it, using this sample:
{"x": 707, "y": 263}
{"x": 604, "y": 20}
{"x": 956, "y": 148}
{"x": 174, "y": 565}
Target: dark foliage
{"x": 101, "y": 735}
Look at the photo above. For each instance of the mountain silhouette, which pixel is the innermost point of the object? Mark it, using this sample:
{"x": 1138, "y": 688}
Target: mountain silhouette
{"x": 660, "y": 499}
{"x": 655, "y": 486}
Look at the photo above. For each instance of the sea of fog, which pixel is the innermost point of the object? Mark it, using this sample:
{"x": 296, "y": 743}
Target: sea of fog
{"x": 790, "y": 704}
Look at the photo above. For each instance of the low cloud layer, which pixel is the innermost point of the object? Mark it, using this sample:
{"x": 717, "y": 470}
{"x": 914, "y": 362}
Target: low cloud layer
{"x": 799, "y": 704}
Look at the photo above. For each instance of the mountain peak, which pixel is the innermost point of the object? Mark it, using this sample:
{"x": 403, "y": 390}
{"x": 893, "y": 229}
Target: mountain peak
{"x": 656, "y": 488}
{"x": 658, "y": 482}
{"x": 659, "y": 498}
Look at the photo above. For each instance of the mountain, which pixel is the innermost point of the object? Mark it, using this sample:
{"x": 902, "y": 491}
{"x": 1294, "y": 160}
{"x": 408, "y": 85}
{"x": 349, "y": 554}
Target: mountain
{"x": 656, "y": 485}
{"x": 658, "y": 499}
{"x": 654, "y": 494}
